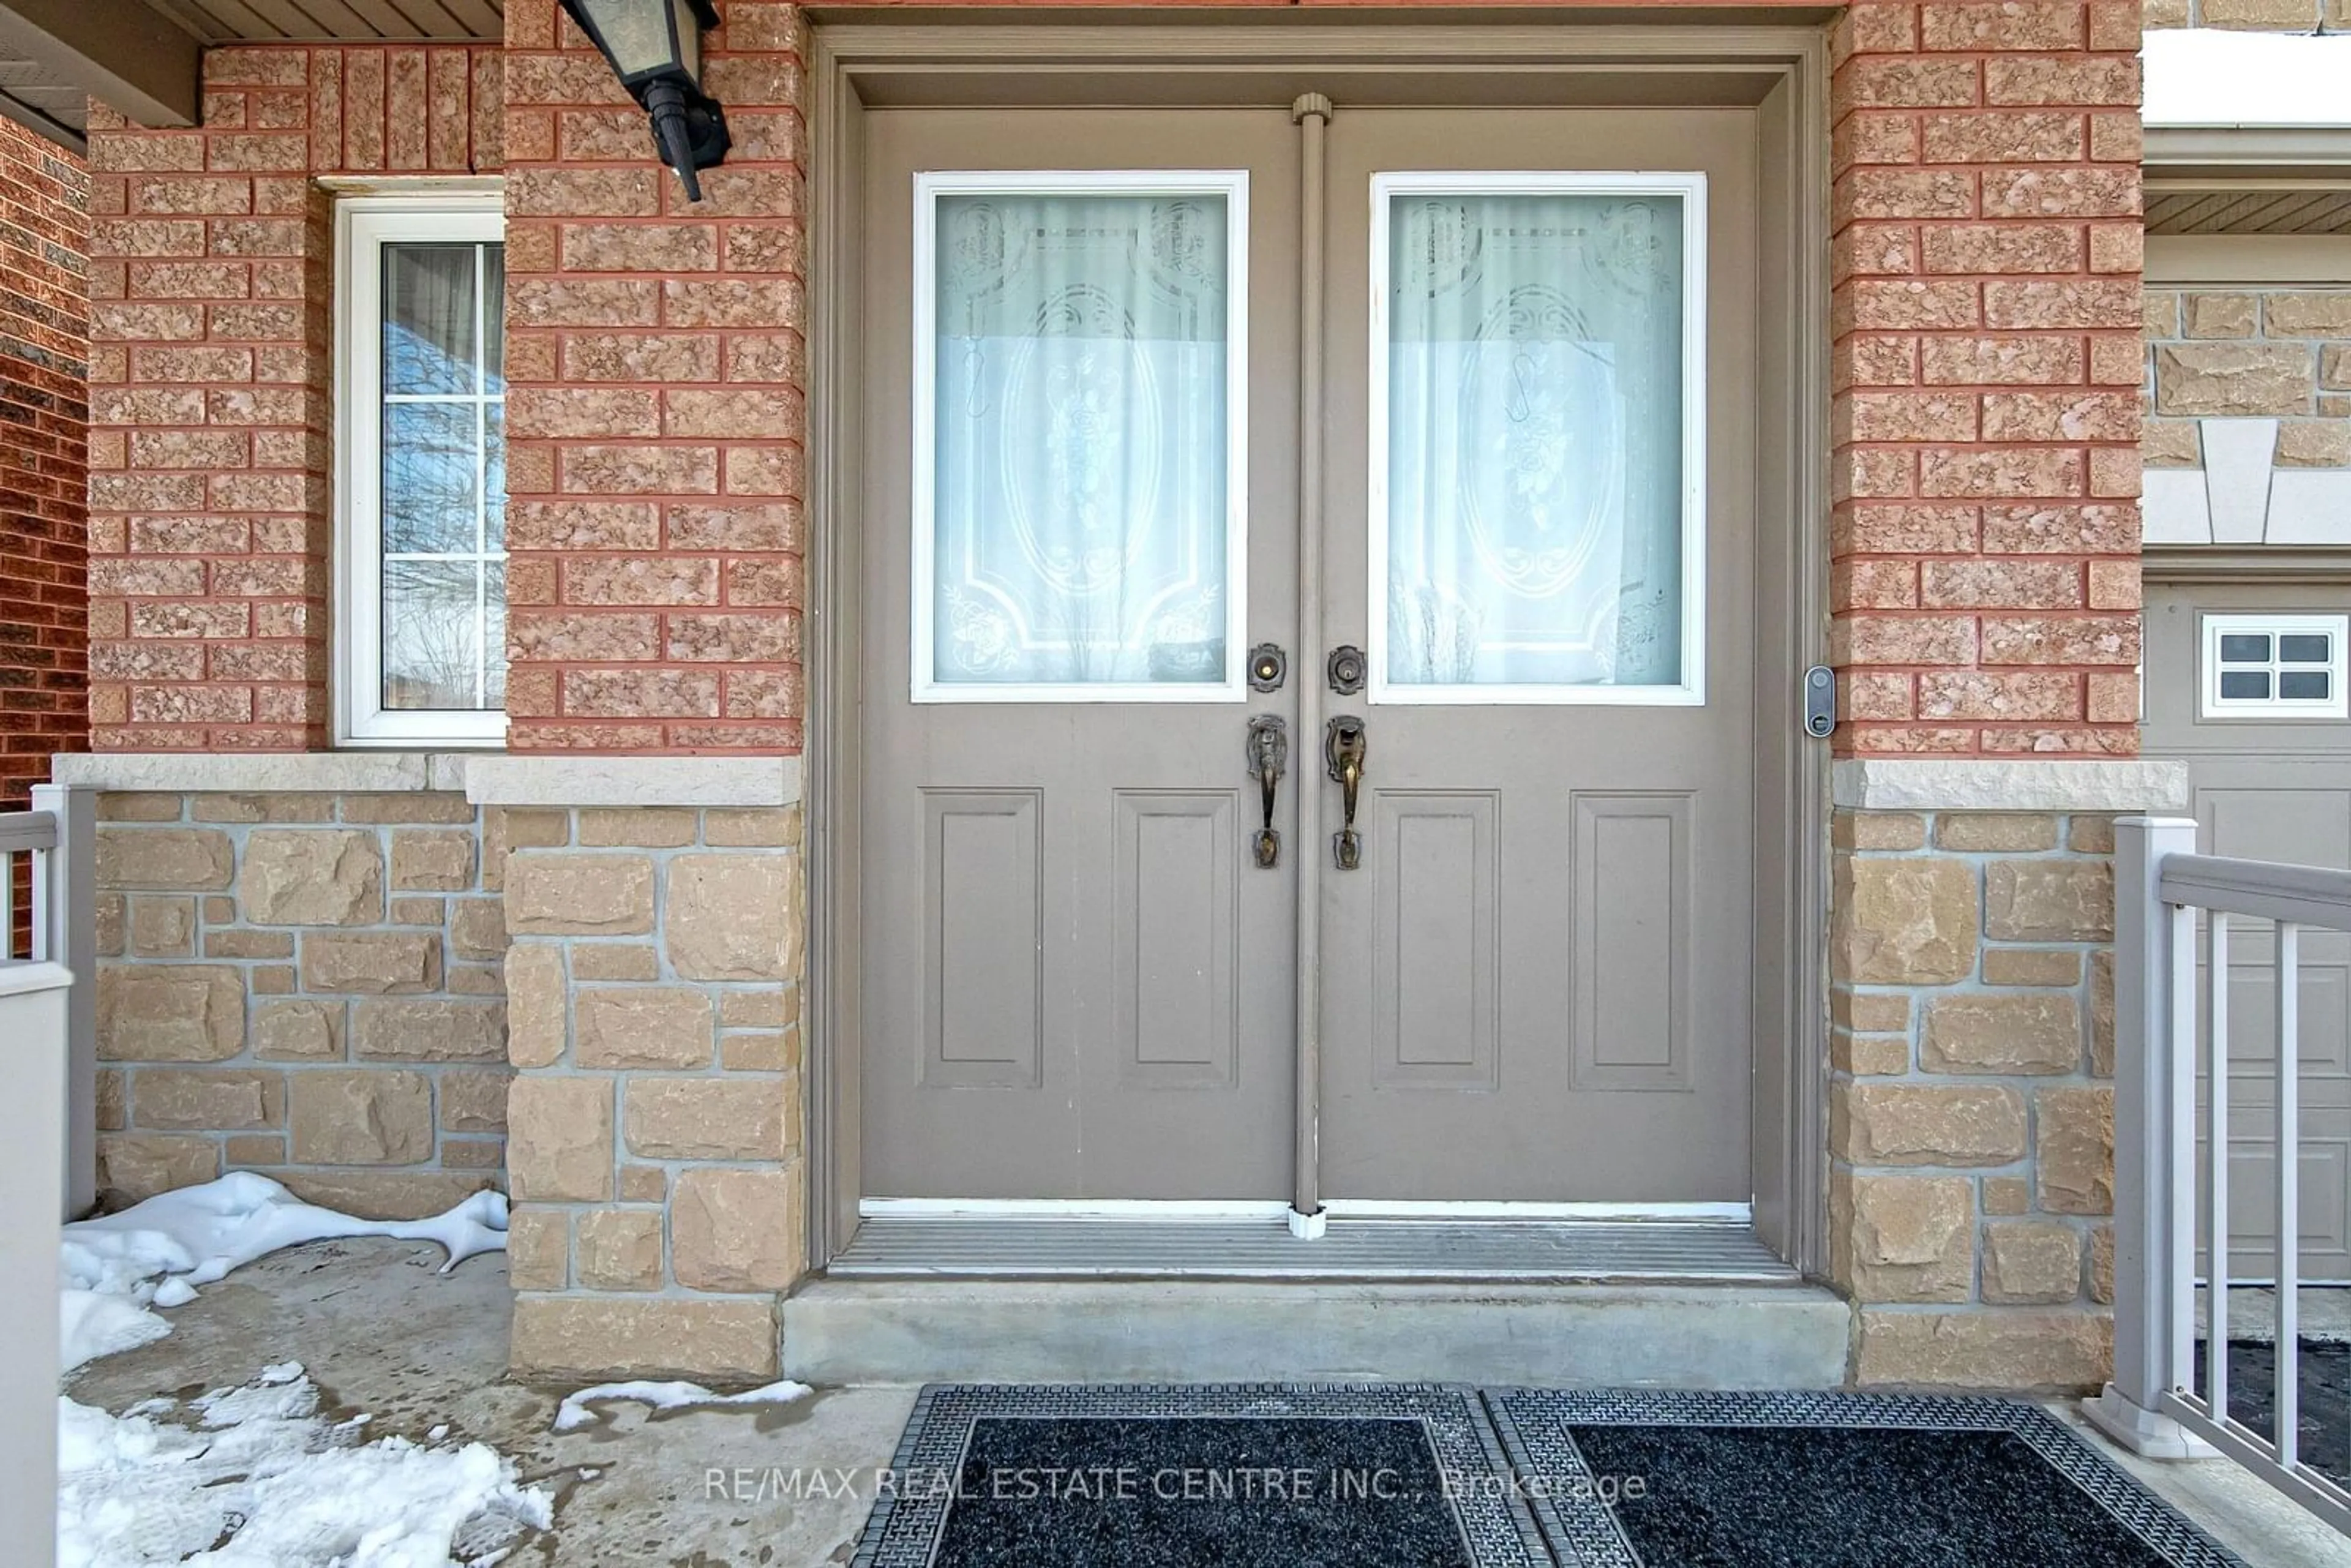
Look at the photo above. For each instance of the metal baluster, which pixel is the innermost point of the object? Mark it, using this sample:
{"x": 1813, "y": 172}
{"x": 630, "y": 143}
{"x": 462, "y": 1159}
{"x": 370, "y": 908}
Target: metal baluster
{"x": 2289, "y": 1183}
{"x": 2178, "y": 1148}
{"x": 2216, "y": 1333}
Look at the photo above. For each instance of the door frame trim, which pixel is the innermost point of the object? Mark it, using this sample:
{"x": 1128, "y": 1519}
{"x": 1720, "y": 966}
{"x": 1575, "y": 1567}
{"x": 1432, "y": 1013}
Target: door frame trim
{"x": 922, "y": 58}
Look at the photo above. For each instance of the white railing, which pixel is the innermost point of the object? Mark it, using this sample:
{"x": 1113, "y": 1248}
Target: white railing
{"x": 60, "y": 835}
{"x": 2155, "y": 1405}
{"x": 48, "y": 1137}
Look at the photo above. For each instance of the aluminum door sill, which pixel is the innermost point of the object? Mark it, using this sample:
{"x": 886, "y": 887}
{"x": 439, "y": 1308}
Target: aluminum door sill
{"x": 1260, "y": 1246}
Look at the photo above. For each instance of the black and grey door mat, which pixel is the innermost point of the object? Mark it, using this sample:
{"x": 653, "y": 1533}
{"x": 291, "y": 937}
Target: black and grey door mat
{"x": 1235, "y": 1475}
{"x": 1424, "y": 1475}
{"x": 1808, "y": 1481}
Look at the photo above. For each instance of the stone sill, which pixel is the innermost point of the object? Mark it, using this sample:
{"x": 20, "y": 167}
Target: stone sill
{"x": 1984, "y": 784}
{"x": 485, "y": 778}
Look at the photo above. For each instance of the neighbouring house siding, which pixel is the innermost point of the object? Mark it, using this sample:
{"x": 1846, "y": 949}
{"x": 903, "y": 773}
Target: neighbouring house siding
{"x": 656, "y": 461}
{"x": 1988, "y": 361}
{"x": 43, "y": 446}
{"x": 211, "y": 255}
{"x": 306, "y": 984}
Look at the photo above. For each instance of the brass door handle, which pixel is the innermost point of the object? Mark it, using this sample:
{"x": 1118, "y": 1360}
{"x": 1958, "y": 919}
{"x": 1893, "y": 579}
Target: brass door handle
{"x": 1269, "y": 757}
{"x": 1344, "y": 745}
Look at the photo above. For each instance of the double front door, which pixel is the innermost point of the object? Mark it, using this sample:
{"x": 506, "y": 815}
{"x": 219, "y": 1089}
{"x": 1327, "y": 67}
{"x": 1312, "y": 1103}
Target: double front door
{"x": 1431, "y": 509}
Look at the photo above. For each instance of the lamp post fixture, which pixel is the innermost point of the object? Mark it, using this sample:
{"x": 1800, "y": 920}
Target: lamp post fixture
{"x": 654, "y": 46}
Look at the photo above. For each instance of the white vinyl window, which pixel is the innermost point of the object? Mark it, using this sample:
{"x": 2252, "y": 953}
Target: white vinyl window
{"x": 1079, "y": 409}
{"x": 1538, "y": 438}
{"x": 2274, "y": 666}
{"x": 419, "y": 559}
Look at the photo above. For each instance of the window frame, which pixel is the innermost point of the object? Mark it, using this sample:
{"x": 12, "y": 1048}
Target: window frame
{"x": 1231, "y": 186}
{"x": 2273, "y": 708}
{"x": 1689, "y": 187}
{"x": 363, "y": 225}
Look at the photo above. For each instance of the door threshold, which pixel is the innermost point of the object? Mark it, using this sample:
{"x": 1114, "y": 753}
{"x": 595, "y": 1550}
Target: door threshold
{"x": 1352, "y": 1248}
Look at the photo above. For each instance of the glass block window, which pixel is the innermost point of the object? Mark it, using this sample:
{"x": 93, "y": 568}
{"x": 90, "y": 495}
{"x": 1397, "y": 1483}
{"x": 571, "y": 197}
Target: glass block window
{"x": 2274, "y": 666}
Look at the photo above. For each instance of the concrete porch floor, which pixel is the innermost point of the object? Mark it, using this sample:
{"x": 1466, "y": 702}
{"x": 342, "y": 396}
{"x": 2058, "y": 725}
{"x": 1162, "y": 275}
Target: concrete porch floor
{"x": 380, "y": 1332}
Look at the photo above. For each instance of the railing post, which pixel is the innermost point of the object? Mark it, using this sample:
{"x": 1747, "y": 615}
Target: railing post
{"x": 2154, "y": 1144}
{"x": 65, "y": 931}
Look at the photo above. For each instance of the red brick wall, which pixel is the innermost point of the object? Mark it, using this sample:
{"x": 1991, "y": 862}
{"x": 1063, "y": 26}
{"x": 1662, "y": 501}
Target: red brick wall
{"x": 209, "y": 365}
{"x": 44, "y": 440}
{"x": 1986, "y": 421}
{"x": 655, "y": 361}
{"x": 1988, "y": 362}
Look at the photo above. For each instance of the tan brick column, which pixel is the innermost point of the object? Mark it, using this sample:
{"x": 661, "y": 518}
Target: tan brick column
{"x": 210, "y": 260}
{"x": 1986, "y": 370}
{"x": 654, "y": 357}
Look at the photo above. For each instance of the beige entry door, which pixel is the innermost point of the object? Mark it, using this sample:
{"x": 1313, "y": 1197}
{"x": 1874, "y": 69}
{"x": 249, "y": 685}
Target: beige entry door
{"x": 1537, "y": 983}
{"x": 1533, "y": 519}
{"x": 1080, "y": 471}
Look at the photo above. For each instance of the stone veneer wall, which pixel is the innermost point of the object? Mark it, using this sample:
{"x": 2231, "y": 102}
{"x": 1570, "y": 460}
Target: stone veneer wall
{"x": 2253, "y": 16}
{"x": 2282, "y": 354}
{"x": 655, "y": 1155}
{"x": 305, "y": 985}
{"x": 1972, "y": 1109}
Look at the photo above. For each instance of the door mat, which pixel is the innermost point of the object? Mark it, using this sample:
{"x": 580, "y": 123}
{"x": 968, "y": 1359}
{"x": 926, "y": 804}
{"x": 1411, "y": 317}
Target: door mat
{"x": 1857, "y": 1480}
{"x": 1242, "y": 1476}
{"x": 1427, "y": 1476}
{"x": 2322, "y": 1401}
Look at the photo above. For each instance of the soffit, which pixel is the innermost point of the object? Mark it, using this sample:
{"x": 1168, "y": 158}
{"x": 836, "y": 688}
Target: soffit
{"x": 330, "y": 21}
{"x": 2313, "y": 208}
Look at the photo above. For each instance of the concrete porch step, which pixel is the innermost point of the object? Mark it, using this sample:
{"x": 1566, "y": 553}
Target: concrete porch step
{"x": 851, "y": 1330}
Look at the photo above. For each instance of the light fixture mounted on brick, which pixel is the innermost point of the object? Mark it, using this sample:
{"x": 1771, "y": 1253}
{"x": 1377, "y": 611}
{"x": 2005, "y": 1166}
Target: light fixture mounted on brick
{"x": 654, "y": 46}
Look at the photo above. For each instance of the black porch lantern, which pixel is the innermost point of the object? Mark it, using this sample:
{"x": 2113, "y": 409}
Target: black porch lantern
{"x": 654, "y": 46}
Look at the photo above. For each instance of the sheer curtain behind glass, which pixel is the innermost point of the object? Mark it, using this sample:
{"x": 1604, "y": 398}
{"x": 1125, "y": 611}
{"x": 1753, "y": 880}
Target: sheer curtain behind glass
{"x": 443, "y": 493}
{"x": 1534, "y": 411}
{"x": 1078, "y": 489}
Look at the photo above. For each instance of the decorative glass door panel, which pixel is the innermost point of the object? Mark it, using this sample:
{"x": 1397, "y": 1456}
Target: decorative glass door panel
{"x": 1080, "y": 471}
{"x": 1537, "y": 441}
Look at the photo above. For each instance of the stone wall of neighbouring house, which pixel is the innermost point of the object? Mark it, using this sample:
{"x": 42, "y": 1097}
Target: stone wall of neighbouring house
{"x": 1971, "y": 1137}
{"x": 2253, "y": 16}
{"x": 2249, "y": 390}
{"x": 655, "y": 1150}
{"x": 305, "y": 985}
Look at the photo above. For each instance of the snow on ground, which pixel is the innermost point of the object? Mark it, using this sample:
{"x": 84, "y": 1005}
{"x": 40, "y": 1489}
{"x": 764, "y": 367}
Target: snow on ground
{"x": 264, "y": 1481}
{"x": 574, "y": 1412}
{"x": 156, "y": 1252}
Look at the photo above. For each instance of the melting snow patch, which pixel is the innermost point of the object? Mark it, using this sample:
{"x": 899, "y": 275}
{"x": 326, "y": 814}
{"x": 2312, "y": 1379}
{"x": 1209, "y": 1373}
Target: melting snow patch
{"x": 268, "y": 1483}
{"x": 157, "y": 1252}
{"x": 574, "y": 1412}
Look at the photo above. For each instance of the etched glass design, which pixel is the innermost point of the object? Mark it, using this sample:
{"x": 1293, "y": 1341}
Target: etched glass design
{"x": 1534, "y": 494}
{"x": 1079, "y": 480}
{"x": 444, "y": 478}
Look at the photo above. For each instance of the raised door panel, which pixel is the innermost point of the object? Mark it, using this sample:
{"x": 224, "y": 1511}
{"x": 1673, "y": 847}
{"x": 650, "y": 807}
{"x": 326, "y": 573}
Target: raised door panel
{"x": 1632, "y": 935}
{"x": 1176, "y": 938}
{"x": 983, "y": 925}
{"x": 1436, "y": 1003}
